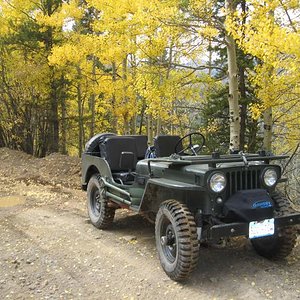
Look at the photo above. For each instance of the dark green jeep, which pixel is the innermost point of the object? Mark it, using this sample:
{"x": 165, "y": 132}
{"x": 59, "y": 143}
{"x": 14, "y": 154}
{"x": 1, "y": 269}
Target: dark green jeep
{"x": 192, "y": 198}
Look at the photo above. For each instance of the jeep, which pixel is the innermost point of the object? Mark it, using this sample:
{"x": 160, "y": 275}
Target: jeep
{"x": 191, "y": 197}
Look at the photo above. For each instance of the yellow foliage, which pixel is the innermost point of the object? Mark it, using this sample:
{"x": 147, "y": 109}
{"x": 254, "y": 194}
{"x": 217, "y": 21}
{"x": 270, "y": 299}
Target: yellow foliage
{"x": 136, "y": 28}
{"x": 68, "y": 11}
{"x": 274, "y": 39}
{"x": 256, "y": 110}
{"x": 127, "y": 55}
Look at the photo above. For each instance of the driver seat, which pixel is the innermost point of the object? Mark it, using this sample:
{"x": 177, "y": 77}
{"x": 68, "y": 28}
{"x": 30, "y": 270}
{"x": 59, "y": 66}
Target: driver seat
{"x": 165, "y": 145}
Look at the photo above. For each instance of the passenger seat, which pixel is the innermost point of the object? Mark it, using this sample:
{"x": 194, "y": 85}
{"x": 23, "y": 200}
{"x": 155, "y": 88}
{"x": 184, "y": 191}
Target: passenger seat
{"x": 120, "y": 152}
{"x": 141, "y": 145}
{"x": 165, "y": 145}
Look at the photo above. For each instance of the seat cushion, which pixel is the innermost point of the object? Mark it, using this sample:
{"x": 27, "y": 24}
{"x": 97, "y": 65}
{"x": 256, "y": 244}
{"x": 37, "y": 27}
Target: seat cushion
{"x": 141, "y": 145}
{"x": 165, "y": 145}
{"x": 112, "y": 148}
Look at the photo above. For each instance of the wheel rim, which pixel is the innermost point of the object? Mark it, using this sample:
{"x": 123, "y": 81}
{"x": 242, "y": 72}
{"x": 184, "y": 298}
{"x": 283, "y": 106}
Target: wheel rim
{"x": 96, "y": 202}
{"x": 168, "y": 240}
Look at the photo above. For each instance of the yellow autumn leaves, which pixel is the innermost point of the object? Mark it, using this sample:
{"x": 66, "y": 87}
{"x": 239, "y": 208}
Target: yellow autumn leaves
{"x": 128, "y": 62}
{"x": 270, "y": 32}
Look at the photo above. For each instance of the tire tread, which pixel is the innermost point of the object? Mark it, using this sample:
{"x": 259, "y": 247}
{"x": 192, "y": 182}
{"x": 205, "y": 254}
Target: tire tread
{"x": 188, "y": 249}
{"x": 286, "y": 237}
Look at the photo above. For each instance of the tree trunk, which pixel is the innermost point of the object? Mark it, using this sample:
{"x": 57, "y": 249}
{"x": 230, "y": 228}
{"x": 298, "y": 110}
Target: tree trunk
{"x": 29, "y": 131}
{"x": 133, "y": 124}
{"x": 150, "y": 129}
{"x": 93, "y": 101}
{"x": 234, "y": 118}
{"x": 243, "y": 108}
{"x": 113, "y": 100}
{"x": 126, "y": 125}
{"x": 63, "y": 125}
{"x": 172, "y": 129}
{"x": 252, "y": 138}
{"x": 53, "y": 99}
{"x": 268, "y": 129}
{"x": 142, "y": 118}
{"x": 3, "y": 142}
{"x": 210, "y": 53}
{"x": 80, "y": 114}
{"x": 158, "y": 126}
{"x": 53, "y": 113}
{"x": 268, "y": 118}
{"x": 242, "y": 87}
{"x": 43, "y": 139}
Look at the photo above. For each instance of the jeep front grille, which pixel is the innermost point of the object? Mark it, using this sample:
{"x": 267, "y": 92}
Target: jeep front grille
{"x": 242, "y": 180}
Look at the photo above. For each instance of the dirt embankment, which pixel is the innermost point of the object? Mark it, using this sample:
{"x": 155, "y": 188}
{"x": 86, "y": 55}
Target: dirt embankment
{"x": 55, "y": 169}
{"x": 49, "y": 249}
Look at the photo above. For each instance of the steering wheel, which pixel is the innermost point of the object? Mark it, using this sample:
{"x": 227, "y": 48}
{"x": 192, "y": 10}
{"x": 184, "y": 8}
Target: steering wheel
{"x": 194, "y": 148}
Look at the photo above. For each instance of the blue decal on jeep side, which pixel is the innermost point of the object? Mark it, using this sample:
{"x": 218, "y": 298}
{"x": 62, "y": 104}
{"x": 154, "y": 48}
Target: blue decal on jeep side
{"x": 262, "y": 204}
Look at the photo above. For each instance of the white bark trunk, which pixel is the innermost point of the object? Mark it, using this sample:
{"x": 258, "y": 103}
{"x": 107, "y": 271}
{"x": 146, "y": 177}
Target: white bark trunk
{"x": 234, "y": 113}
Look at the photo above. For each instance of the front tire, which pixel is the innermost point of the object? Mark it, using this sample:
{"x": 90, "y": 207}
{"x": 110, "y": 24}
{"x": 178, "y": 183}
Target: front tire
{"x": 101, "y": 215}
{"x": 176, "y": 240}
{"x": 281, "y": 244}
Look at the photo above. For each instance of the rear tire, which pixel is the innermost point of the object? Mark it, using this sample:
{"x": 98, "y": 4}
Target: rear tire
{"x": 101, "y": 215}
{"x": 176, "y": 240}
{"x": 281, "y": 244}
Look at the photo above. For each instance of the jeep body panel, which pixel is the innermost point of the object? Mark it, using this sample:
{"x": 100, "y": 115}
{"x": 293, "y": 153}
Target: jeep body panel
{"x": 91, "y": 165}
{"x": 185, "y": 180}
{"x": 158, "y": 190}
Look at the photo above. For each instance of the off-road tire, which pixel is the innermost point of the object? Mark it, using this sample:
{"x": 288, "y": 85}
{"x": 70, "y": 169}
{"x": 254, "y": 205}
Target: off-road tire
{"x": 176, "y": 240}
{"x": 101, "y": 215}
{"x": 281, "y": 244}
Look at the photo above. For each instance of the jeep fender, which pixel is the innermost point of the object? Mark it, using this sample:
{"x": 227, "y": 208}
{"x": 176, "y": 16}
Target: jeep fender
{"x": 92, "y": 165}
{"x": 160, "y": 189}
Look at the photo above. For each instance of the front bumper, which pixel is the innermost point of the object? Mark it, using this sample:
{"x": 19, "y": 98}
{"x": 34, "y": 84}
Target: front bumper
{"x": 242, "y": 229}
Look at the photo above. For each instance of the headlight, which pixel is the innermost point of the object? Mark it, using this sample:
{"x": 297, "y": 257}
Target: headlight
{"x": 270, "y": 177}
{"x": 217, "y": 182}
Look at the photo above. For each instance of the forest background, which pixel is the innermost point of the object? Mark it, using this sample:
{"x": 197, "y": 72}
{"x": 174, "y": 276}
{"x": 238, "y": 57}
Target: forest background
{"x": 229, "y": 69}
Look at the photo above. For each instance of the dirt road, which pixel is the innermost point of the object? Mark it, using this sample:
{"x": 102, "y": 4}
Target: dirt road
{"x": 49, "y": 250}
